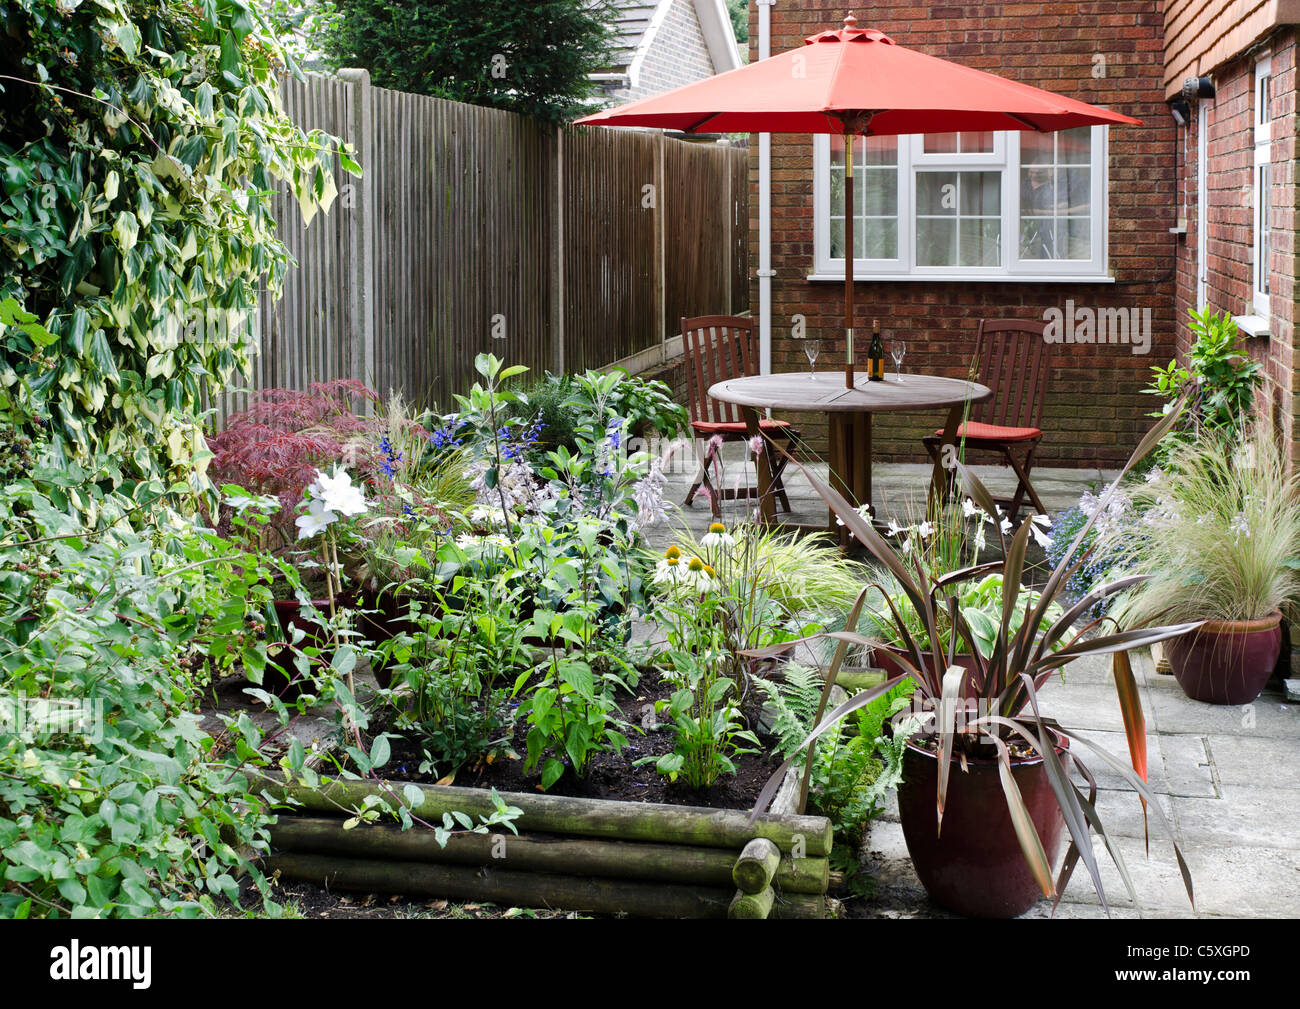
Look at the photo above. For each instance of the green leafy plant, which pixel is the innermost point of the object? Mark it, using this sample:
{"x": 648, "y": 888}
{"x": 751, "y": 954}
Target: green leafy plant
{"x": 1220, "y": 532}
{"x": 1219, "y": 386}
{"x": 115, "y": 801}
{"x": 1006, "y": 680}
{"x": 138, "y": 153}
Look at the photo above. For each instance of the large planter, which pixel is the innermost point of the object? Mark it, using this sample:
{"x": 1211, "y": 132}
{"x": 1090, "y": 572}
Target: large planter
{"x": 975, "y": 866}
{"x": 890, "y": 659}
{"x": 1226, "y": 662}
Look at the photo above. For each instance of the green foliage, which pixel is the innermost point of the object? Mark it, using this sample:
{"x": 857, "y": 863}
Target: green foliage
{"x": 1219, "y": 387}
{"x": 793, "y": 702}
{"x": 1220, "y": 533}
{"x": 532, "y": 58}
{"x": 115, "y": 800}
{"x": 139, "y": 147}
{"x": 739, "y": 11}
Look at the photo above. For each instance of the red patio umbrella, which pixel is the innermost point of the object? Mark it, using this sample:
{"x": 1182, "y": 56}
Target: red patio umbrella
{"x": 855, "y": 81}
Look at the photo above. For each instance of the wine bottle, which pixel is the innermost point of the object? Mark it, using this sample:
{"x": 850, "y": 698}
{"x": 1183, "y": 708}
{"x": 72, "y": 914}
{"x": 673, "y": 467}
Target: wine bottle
{"x": 876, "y": 359}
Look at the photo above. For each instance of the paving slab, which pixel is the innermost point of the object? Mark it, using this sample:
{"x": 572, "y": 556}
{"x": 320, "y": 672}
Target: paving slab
{"x": 1245, "y": 816}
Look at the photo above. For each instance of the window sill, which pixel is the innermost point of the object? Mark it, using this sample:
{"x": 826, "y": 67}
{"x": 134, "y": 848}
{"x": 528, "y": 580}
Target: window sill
{"x": 978, "y": 278}
{"x": 1253, "y": 325}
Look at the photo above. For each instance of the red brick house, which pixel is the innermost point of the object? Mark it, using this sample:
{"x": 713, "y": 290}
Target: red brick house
{"x": 1236, "y": 177}
{"x": 1123, "y": 243}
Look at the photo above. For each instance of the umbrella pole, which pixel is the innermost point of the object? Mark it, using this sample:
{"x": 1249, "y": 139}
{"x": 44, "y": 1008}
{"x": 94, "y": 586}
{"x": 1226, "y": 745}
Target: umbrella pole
{"x": 848, "y": 257}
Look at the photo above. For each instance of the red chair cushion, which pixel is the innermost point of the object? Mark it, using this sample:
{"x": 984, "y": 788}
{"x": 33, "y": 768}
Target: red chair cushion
{"x": 735, "y": 427}
{"x": 976, "y": 431}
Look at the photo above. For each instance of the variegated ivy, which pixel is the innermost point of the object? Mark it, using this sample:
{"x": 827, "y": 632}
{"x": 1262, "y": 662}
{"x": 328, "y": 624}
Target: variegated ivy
{"x": 139, "y": 144}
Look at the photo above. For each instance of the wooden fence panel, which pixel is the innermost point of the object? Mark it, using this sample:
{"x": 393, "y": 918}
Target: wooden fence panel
{"x": 477, "y": 230}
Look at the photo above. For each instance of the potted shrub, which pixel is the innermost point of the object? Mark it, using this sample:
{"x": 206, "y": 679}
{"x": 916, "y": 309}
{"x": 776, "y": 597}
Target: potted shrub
{"x": 987, "y": 790}
{"x": 1221, "y": 536}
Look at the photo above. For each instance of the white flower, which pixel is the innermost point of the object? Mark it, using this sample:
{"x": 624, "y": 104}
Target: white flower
{"x": 1238, "y": 526}
{"x": 925, "y": 530}
{"x": 895, "y": 529}
{"x": 756, "y": 445}
{"x": 648, "y": 493}
{"x": 1155, "y": 475}
{"x": 467, "y": 541}
{"x": 1037, "y": 525}
{"x": 716, "y": 537}
{"x": 979, "y": 537}
{"x": 669, "y": 572}
{"x": 907, "y": 545}
{"x": 970, "y": 509}
{"x": 337, "y": 493}
{"x": 487, "y": 515}
{"x": 317, "y": 519}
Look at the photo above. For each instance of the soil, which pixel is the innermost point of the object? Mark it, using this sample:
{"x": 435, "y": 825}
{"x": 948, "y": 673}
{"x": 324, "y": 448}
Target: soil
{"x": 612, "y": 775}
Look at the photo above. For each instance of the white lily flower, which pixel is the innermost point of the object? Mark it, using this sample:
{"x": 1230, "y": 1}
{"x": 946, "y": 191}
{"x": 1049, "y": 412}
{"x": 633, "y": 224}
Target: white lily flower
{"x": 970, "y": 509}
{"x": 317, "y": 519}
{"x": 895, "y": 528}
{"x": 338, "y": 493}
{"x": 925, "y": 530}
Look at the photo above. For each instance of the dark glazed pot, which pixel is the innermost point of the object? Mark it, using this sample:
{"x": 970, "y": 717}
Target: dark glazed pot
{"x": 975, "y": 867}
{"x": 890, "y": 659}
{"x": 289, "y": 614}
{"x": 1226, "y": 662}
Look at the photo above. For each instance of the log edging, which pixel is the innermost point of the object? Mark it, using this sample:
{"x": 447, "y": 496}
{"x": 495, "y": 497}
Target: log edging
{"x": 596, "y": 855}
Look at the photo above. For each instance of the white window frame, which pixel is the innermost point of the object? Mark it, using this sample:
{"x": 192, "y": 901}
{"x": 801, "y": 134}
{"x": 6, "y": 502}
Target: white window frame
{"x": 1004, "y": 158}
{"x": 1263, "y": 160}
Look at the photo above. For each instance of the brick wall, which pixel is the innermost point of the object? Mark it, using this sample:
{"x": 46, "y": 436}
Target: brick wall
{"x": 678, "y": 55}
{"x": 1230, "y": 224}
{"x": 1095, "y": 412}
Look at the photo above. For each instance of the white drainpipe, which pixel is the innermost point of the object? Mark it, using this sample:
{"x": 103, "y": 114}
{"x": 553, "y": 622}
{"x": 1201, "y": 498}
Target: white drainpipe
{"x": 765, "y": 272}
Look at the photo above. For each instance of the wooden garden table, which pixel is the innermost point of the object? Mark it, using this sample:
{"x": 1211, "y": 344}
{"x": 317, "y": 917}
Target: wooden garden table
{"x": 850, "y": 412}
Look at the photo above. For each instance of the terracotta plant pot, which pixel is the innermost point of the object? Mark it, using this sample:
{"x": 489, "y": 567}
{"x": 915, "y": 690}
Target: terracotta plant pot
{"x": 975, "y": 866}
{"x": 1226, "y": 662}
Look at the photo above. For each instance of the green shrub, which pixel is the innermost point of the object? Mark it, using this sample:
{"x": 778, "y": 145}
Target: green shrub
{"x": 139, "y": 147}
{"x": 115, "y": 799}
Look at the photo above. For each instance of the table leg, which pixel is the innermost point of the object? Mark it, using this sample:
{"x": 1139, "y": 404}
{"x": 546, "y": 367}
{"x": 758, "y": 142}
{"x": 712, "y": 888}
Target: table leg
{"x": 942, "y": 475}
{"x": 862, "y": 459}
{"x": 762, "y": 467}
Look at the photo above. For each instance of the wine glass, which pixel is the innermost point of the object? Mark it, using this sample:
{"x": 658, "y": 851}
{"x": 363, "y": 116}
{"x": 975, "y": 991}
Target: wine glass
{"x": 812, "y": 348}
{"x": 898, "y": 350}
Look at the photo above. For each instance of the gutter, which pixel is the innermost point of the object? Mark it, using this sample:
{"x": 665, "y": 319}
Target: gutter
{"x": 765, "y": 272}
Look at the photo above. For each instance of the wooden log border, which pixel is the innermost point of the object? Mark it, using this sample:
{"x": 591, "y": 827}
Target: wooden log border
{"x": 595, "y": 855}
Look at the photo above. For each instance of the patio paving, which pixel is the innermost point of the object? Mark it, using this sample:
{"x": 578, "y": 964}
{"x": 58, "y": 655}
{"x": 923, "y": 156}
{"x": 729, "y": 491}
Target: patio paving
{"x": 899, "y": 491}
{"x": 1226, "y": 780}
{"x": 1226, "y": 776}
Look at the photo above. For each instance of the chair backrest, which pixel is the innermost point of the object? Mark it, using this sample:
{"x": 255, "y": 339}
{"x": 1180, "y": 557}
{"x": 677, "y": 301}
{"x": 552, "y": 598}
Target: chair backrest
{"x": 1012, "y": 359}
{"x": 717, "y": 348}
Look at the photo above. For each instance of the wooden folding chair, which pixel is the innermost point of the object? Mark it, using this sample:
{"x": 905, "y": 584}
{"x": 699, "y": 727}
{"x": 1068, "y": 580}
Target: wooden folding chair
{"x": 1012, "y": 359}
{"x": 718, "y": 348}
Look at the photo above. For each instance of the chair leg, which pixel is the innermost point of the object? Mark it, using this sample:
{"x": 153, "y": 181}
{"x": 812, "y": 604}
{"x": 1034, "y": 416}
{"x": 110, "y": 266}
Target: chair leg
{"x": 1023, "y": 486}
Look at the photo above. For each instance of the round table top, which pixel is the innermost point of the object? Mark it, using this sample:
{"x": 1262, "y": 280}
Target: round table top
{"x": 825, "y": 392}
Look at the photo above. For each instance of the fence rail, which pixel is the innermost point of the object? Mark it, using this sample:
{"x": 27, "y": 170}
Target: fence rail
{"x": 478, "y": 230}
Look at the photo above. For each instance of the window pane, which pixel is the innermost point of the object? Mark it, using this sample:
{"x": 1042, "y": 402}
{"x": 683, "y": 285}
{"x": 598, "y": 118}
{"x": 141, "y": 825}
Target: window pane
{"x": 940, "y": 143}
{"x": 978, "y": 242}
{"x": 1037, "y": 148}
{"x": 936, "y": 242}
{"x": 875, "y": 198}
{"x": 1074, "y": 146}
{"x": 981, "y": 193}
{"x": 878, "y": 239}
{"x": 953, "y": 143}
{"x": 1056, "y": 195}
{"x": 936, "y": 193}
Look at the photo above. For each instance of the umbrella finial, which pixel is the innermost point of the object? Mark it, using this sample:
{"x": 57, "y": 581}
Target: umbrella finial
{"x": 850, "y": 21}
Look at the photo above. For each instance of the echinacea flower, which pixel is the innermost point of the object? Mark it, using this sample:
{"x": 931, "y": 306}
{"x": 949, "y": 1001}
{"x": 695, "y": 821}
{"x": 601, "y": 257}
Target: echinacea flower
{"x": 717, "y": 536}
{"x": 673, "y": 553}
